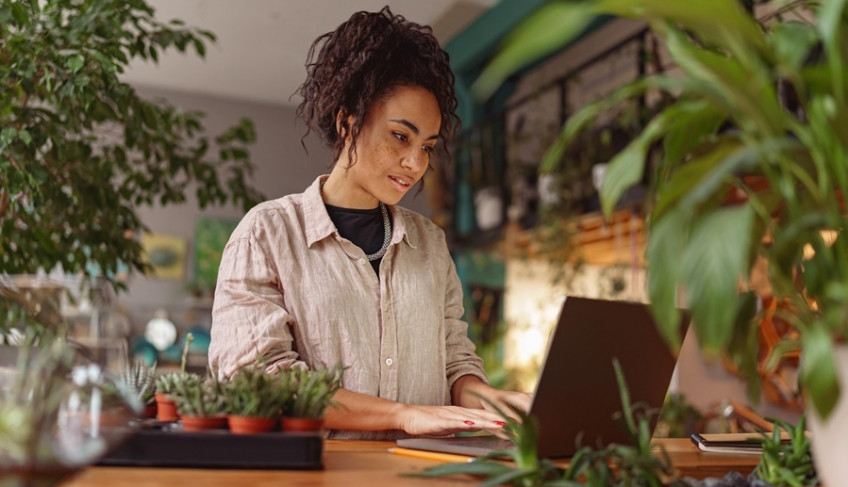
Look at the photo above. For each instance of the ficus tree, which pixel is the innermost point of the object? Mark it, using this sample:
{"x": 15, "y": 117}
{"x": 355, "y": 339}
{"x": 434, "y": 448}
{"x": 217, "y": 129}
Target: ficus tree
{"x": 81, "y": 151}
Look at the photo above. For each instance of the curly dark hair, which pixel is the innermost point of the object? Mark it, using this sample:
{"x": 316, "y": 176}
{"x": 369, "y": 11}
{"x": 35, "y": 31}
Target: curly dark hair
{"x": 364, "y": 59}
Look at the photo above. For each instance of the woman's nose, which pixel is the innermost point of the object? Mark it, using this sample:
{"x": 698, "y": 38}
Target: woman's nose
{"x": 415, "y": 160}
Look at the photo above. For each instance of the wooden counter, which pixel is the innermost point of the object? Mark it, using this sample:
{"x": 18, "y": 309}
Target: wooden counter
{"x": 369, "y": 464}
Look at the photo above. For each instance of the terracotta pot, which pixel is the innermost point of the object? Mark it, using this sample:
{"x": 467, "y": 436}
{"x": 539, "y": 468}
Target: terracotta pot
{"x": 166, "y": 409}
{"x": 203, "y": 423}
{"x": 246, "y": 425}
{"x": 302, "y": 424}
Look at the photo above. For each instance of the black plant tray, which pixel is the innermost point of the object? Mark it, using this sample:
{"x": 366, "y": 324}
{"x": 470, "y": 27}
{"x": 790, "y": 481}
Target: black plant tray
{"x": 219, "y": 449}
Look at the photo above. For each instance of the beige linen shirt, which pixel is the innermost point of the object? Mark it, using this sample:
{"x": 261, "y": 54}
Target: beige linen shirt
{"x": 292, "y": 291}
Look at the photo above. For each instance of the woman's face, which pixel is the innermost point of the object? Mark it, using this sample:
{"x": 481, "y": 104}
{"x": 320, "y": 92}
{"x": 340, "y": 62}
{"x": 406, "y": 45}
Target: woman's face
{"x": 393, "y": 148}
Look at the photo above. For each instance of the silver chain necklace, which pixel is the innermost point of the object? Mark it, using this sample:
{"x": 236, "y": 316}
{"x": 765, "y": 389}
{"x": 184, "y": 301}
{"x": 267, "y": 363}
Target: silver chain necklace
{"x": 387, "y": 230}
{"x": 387, "y": 235}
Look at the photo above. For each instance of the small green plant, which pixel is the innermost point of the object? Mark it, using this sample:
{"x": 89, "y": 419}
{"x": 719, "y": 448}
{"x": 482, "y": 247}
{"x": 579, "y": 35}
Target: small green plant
{"x": 787, "y": 463}
{"x": 169, "y": 383}
{"x": 204, "y": 398}
{"x": 253, "y": 392}
{"x": 314, "y": 390}
{"x": 140, "y": 380}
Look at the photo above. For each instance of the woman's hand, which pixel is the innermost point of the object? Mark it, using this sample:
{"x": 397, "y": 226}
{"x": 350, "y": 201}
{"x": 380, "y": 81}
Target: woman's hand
{"x": 469, "y": 391}
{"x": 447, "y": 420}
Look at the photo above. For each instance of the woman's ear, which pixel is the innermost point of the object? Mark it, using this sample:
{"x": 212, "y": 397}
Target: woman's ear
{"x": 342, "y": 129}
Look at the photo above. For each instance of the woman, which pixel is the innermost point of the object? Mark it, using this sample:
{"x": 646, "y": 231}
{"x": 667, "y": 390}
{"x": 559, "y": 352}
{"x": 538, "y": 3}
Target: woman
{"x": 295, "y": 288}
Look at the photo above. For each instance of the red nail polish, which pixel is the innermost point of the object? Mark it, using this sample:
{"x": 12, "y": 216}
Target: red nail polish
{"x": 469, "y": 422}
{"x": 500, "y": 423}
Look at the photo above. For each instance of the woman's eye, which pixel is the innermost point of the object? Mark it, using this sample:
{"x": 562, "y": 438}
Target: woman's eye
{"x": 428, "y": 149}
{"x": 399, "y": 136}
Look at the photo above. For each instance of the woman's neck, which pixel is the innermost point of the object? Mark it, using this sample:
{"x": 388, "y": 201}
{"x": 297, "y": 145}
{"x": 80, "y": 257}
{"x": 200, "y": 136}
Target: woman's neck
{"x": 340, "y": 190}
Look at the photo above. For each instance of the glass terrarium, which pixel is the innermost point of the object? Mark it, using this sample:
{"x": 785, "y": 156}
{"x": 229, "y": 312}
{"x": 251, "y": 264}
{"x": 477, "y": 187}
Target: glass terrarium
{"x": 59, "y": 414}
{"x": 59, "y": 410}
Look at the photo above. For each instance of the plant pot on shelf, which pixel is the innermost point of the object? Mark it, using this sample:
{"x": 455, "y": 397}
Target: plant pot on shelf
{"x": 203, "y": 423}
{"x": 829, "y": 442}
{"x": 166, "y": 409}
{"x": 302, "y": 424}
{"x": 247, "y": 425}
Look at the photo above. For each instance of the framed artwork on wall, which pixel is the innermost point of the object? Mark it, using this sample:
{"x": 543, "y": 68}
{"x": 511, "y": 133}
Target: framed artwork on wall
{"x": 210, "y": 237}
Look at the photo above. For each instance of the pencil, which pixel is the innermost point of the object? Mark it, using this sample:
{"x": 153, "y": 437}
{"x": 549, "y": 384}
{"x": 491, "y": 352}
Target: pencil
{"x": 430, "y": 455}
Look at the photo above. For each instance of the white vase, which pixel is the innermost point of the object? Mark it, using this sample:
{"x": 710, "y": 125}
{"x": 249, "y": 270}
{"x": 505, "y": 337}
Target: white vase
{"x": 830, "y": 441}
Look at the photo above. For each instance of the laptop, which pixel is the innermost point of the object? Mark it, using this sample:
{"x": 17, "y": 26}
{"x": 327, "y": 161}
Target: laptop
{"x": 577, "y": 396}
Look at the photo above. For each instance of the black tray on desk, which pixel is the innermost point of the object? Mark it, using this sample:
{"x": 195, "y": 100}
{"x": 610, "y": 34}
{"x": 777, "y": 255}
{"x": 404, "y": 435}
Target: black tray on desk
{"x": 219, "y": 449}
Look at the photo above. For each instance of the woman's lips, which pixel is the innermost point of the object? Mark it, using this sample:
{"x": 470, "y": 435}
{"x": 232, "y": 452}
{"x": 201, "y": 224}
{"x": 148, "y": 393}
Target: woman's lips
{"x": 400, "y": 184}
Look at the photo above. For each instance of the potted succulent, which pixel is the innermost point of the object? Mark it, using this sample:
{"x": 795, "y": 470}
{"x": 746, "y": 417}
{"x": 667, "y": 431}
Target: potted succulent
{"x": 759, "y": 113}
{"x": 313, "y": 393}
{"x": 140, "y": 380}
{"x": 254, "y": 400}
{"x": 201, "y": 404}
{"x": 168, "y": 384}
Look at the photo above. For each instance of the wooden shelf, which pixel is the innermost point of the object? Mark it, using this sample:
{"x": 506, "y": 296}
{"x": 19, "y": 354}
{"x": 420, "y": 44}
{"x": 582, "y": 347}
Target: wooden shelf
{"x": 621, "y": 240}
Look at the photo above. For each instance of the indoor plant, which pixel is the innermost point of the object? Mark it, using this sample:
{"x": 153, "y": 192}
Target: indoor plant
{"x": 80, "y": 150}
{"x": 255, "y": 399}
{"x": 169, "y": 383}
{"x": 201, "y": 404}
{"x": 140, "y": 380}
{"x": 759, "y": 111}
{"x": 312, "y": 394}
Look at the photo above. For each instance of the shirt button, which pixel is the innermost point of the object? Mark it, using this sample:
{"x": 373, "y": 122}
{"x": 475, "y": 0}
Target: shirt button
{"x": 389, "y": 361}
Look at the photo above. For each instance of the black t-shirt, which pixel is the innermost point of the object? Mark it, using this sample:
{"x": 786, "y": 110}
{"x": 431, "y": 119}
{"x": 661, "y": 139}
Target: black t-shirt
{"x": 362, "y": 227}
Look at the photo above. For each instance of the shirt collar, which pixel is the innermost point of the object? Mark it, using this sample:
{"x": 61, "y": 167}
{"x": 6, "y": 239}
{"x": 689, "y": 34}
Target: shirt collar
{"x": 319, "y": 225}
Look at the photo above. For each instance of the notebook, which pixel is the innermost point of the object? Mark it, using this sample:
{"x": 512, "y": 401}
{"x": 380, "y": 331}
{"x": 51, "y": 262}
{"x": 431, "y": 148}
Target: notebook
{"x": 577, "y": 396}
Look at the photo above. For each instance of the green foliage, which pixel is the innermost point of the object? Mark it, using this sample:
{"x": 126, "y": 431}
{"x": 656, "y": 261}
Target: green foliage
{"x": 630, "y": 465}
{"x": 80, "y": 151}
{"x": 313, "y": 391}
{"x": 787, "y": 463}
{"x": 759, "y": 110}
{"x": 253, "y": 392}
{"x": 171, "y": 382}
{"x": 201, "y": 398}
{"x": 139, "y": 379}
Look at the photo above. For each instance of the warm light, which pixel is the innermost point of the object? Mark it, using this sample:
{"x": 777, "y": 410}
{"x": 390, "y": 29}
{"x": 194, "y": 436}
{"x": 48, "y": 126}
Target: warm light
{"x": 828, "y": 236}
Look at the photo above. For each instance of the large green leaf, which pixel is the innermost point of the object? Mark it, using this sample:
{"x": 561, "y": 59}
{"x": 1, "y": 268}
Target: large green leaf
{"x": 831, "y": 24}
{"x": 791, "y": 43}
{"x": 744, "y": 90}
{"x": 699, "y": 176}
{"x": 714, "y": 261}
{"x": 818, "y": 369}
{"x": 666, "y": 243}
{"x": 737, "y": 31}
{"x": 551, "y": 27}
{"x": 695, "y": 120}
{"x": 628, "y": 166}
